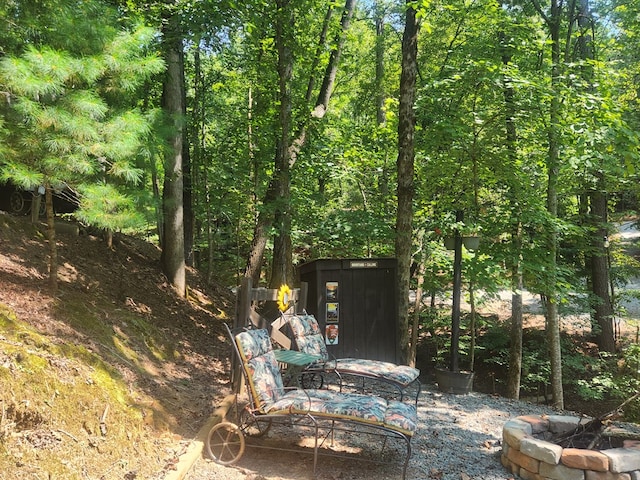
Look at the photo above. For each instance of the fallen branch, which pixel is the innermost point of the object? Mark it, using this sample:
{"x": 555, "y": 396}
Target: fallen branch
{"x": 616, "y": 432}
{"x": 103, "y": 421}
{"x": 625, "y": 403}
{"x": 593, "y": 431}
{"x": 68, "y": 435}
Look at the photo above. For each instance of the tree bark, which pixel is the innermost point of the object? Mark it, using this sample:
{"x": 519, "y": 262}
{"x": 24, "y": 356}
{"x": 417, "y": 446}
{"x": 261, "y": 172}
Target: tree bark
{"x": 282, "y": 268}
{"x": 455, "y": 301}
{"x": 282, "y": 265}
{"x": 332, "y": 68}
{"x": 197, "y": 179}
{"x": 514, "y": 373}
{"x": 381, "y": 96}
{"x": 187, "y": 190}
{"x": 552, "y": 321}
{"x": 173, "y": 260}
{"x": 316, "y": 58}
{"x": 553, "y": 22}
{"x": 258, "y": 245}
{"x": 603, "y": 309}
{"x": 405, "y": 169}
{"x": 51, "y": 239}
{"x": 597, "y": 258}
{"x": 417, "y": 309}
{"x": 380, "y": 93}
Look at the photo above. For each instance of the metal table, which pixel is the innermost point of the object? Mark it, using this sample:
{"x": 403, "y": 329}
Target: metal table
{"x": 295, "y": 361}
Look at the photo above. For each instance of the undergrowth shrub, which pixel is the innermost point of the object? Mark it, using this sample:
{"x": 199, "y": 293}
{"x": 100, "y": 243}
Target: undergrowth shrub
{"x": 591, "y": 378}
{"x": 435, "y": 328}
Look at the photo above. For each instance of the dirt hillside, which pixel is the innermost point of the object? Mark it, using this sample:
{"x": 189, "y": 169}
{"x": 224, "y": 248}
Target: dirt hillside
{"x": 107, "y": 378}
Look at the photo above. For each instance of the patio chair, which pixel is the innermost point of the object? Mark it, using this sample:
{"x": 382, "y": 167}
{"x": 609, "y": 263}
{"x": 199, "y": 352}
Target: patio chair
{"x": 308, "y": 338}
{"x": 323, "y": 411}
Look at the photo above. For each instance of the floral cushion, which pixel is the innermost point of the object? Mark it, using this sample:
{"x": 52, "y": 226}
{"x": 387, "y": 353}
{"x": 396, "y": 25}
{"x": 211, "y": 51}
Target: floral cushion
{"x": 308, "y": 336}
{"x": 369, "y": 409}
{"x": 260, "y": 362}
{"x": 309, "y": 339}
{"x": 400, "y": 374}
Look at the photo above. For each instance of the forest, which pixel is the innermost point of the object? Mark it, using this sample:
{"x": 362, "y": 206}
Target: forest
{"x": 246, "y": 138}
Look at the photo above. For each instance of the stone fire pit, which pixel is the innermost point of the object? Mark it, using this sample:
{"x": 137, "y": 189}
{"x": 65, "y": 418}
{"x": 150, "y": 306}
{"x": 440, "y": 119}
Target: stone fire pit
{"x": 527, "y": 453}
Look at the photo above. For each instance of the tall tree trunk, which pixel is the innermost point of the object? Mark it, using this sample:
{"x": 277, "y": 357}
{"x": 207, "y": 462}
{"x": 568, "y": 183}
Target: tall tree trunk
{"x": 552, "y": 320}
{"x": 380, "y": 93}
{"x": 209, "y": 226}
{"x": 155, "y": 185}
{"x": 553, "y": 22}
{"x": 514, "y": 373}
{"x": 282, "y": 265}
{"x": 187, "y": 190}
{"x": 603, "y": 309}
{"x": 173, "y": 260}
{"x": 405, "y": 168}
{"x": 51, "y": 239}
{"x": 597, "y": 257}
{"x": 197, "y": 177}
{"x": 319, "y": 51}
{"x": 260, "y": 238}
{"x": 282, "y": 268}
{"x": 417, "y": 306}
{"x": 455, "y": 301}
{"x": 473, "y": 326}
{"x": 265, "y": 218}
{"x": 381, "y": 96}
{"x": 322, "y": 103}
{"x": 187, "y": 199}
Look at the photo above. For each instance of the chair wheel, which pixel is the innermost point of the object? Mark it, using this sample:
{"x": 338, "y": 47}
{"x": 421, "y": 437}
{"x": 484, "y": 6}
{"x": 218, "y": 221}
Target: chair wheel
{"x": 225, "y": 443}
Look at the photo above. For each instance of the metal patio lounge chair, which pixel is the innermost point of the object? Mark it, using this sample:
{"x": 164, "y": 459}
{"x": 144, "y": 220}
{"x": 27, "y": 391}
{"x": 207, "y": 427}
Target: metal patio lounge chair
{"x": 308, "y": 338}
{"x": 321, "y": 412}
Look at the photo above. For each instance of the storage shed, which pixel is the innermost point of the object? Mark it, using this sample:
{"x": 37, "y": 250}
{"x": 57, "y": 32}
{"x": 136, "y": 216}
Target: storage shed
{"x": 354, "y": 301}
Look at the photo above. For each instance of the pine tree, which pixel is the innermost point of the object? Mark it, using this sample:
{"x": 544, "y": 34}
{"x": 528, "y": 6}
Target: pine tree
{"x": 63, "y": 132}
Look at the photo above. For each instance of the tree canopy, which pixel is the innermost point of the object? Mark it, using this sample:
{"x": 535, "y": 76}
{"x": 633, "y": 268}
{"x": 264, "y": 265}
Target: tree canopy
{"x": 258, "y": 135}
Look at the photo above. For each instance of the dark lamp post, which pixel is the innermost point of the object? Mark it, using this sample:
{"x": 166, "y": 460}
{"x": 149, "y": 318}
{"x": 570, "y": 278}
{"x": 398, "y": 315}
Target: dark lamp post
{"x": 457, "y": 286}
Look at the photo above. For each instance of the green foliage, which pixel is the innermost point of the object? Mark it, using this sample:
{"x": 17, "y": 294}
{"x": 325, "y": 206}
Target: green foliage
{"x": 76, "y": 26}
{"x": 623, "y": 268}
{"x": 105, "y": 207}
{"x": 82, "y": 114}
{"x": 438, "y": 266}
{"x": 536, "y": 370}
{"x": 588, "y": 376}
{"x": 62, "y": 129}
{"x": 435, "y": 324}
{"x": 608, "y": 378}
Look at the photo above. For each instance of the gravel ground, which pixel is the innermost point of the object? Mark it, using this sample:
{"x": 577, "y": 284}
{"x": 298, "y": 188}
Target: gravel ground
{"x": 459, "y": 437}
